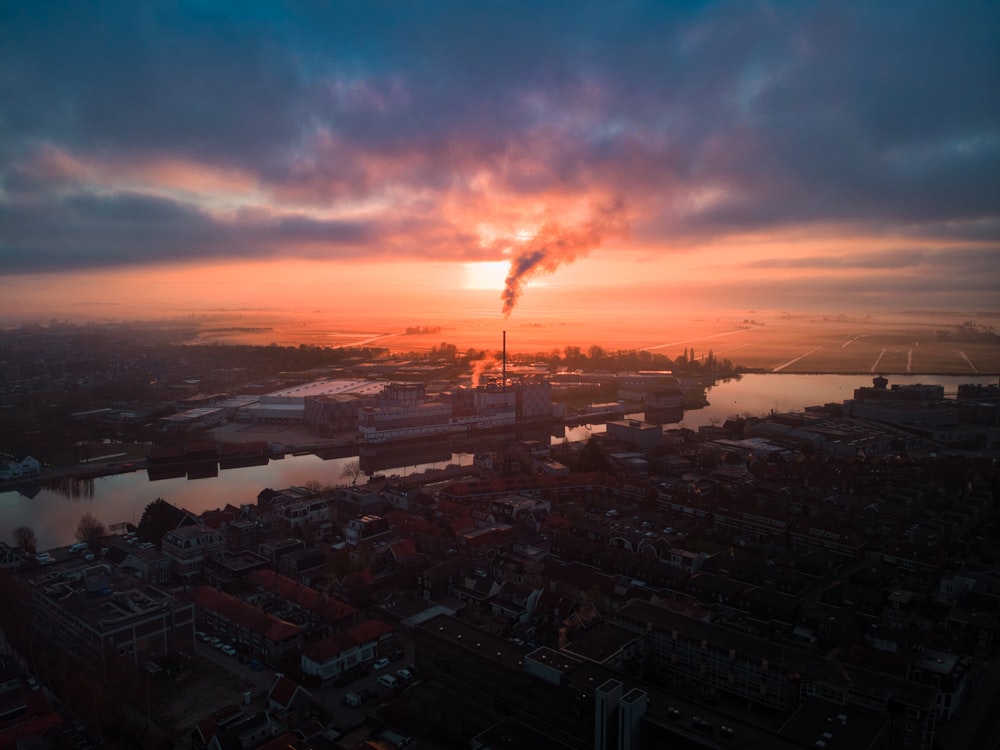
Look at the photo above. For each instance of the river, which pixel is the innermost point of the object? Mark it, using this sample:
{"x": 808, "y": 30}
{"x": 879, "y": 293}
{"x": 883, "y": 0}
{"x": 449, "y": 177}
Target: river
{"x": 54, "y": 513}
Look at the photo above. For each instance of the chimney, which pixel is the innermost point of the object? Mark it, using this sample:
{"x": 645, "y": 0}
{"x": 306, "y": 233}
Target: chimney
{"x": 503, "y": 375}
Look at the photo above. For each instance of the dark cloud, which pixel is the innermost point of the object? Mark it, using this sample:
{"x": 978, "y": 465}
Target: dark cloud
{"x": 130, "y": 229}
{"x": 837, "y": 114}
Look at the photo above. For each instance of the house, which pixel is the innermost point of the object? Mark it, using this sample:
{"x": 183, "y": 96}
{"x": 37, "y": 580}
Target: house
{"x": 331, "y": 657}
{"x": 151, "y": 565}
{"x": 304, "y": 565}
{"x": 189, "y": 546}
{"x": 320, "y": 614}
{"x": 26, "y": 466}
{"x": 287, "y": 698}
{"x": 259, "y": 633}
{"x": 515, "y": 602}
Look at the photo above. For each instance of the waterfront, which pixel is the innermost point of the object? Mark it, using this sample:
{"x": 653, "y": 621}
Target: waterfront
{"x": 54, "y": 513}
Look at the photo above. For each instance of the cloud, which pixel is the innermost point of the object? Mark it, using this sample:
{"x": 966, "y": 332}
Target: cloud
{"x": 137, "y": 134}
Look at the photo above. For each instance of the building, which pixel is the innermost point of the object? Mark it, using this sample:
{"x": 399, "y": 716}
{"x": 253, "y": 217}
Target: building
{"x": 188, "y": 547}
{"x": 365, "y": 529}
{"x": 26, "y": 466}
{"x": 250, "y": 628}
{"x": 340, "y": 652}
{"x": 319, "y": 614}
{"x": 289, "y": 404}
{"x": 105, "y": 618}
{"x": 191, "y": 420}
{"x": 357, "y": 501}
{"x": 330, "y": 413}
{"x": 643, "y": 436}
{"x": 704, "y": 658}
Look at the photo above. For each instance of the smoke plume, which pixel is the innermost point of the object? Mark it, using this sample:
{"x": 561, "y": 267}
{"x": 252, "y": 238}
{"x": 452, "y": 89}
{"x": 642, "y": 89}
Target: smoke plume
{"x": 480, "y": 366}
{"x": 555, "y": 245}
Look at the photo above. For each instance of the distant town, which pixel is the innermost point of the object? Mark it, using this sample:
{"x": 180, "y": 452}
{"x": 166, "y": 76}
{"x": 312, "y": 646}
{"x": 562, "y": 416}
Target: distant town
{"x": 822, "y": 578}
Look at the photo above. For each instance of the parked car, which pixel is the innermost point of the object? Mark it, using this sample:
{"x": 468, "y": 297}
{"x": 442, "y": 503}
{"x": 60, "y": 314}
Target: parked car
{"x": 387, "y": 680}
{"x": 228, "y": 650}
{"x": 404, "y": 674}
{"x": 381, "y": 663}
{"x": 353, "y": 700}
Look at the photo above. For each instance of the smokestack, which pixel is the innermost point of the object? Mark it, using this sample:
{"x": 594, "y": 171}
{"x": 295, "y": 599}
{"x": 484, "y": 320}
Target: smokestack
{"x": 503, "y": 370}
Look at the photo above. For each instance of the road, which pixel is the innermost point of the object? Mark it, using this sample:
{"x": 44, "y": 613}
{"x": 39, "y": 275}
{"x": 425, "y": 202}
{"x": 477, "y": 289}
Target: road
{"x": 329, "y": 696}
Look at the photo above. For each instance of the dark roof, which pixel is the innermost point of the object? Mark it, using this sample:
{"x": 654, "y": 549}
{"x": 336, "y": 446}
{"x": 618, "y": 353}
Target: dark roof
{"x": 600, "y": 641}
{"x": 638, "y": 615}
{"x": 330, "y": 648}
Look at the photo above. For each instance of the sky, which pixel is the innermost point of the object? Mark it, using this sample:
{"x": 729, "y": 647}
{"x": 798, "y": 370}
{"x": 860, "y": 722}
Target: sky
{"x": 497, "y": 158}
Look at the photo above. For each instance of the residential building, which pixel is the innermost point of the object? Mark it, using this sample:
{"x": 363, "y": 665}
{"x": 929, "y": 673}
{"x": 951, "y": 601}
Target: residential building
{"x": 105, "y": 618}
{"x": 188, "y": 547}
{"x": 252, "y": 629}
{"x": 340, "y": 652}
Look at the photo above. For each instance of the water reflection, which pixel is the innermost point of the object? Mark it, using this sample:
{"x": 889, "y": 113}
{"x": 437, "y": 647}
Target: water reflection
{"x": 75, "y": 489}
{"x": 123, "y": 497}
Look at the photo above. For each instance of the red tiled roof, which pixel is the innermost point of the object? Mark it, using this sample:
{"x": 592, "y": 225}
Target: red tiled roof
{"x": 403, "y": 548}
{"x": 330, "y": 609}
{"x": 245, "y": 615}
{"x": 281, "y": 742}
{"x": 283, "y": 691}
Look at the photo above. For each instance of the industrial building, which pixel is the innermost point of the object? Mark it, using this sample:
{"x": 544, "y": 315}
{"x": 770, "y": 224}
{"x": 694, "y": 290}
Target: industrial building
{"x": 289, "y": 404}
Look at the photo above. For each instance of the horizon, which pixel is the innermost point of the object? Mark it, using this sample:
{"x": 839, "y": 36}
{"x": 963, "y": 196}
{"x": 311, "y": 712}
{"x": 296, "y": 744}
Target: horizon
{"x": 909, "y": 343}
{"x": 501, "y": 164}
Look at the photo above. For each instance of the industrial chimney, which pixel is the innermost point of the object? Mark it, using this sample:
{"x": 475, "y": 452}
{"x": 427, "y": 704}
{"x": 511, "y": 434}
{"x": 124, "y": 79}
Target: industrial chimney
{"x": 503, "y": 369}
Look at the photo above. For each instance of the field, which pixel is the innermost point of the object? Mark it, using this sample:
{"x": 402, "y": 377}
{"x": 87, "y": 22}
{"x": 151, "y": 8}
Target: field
{"x": 768, "y": 342}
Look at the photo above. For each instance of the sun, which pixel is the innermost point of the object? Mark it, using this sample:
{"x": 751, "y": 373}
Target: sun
{"x": 485, "y": 274}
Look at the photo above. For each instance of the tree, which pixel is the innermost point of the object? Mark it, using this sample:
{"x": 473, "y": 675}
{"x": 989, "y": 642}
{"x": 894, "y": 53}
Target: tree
{"x": 351, "y": 470}
{"x": 24, "y": 537}
{"x": 90, "y": 530}
{"x": 592, "y": 458}
{"x": 158, "y": 518}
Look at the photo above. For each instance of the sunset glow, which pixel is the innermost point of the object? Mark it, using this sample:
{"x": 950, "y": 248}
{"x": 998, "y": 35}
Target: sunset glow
{"x": 488, "y": 274}
{"x": 688, "y": 160}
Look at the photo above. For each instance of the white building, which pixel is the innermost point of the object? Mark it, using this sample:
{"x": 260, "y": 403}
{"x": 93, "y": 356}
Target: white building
{"x": 25, "y": 467}
{"x": 289, "y": 404}
{"x": 340, "y": 652}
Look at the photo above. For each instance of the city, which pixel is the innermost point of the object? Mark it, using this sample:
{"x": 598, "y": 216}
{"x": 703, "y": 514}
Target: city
{"x": 824, "y": 574}
{"x": 491, "y": 376}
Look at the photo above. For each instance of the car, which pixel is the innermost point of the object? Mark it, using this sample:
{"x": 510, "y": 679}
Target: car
{"x": 398, "y": 654}
{"x": 353, "y": 699}
{"x": 404, "y": 674}
{"x": 381, "y": 663}
{"x": 214, "y": 643}
{"x": 228, "y": 650}
{"x": 387, "y": 680}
